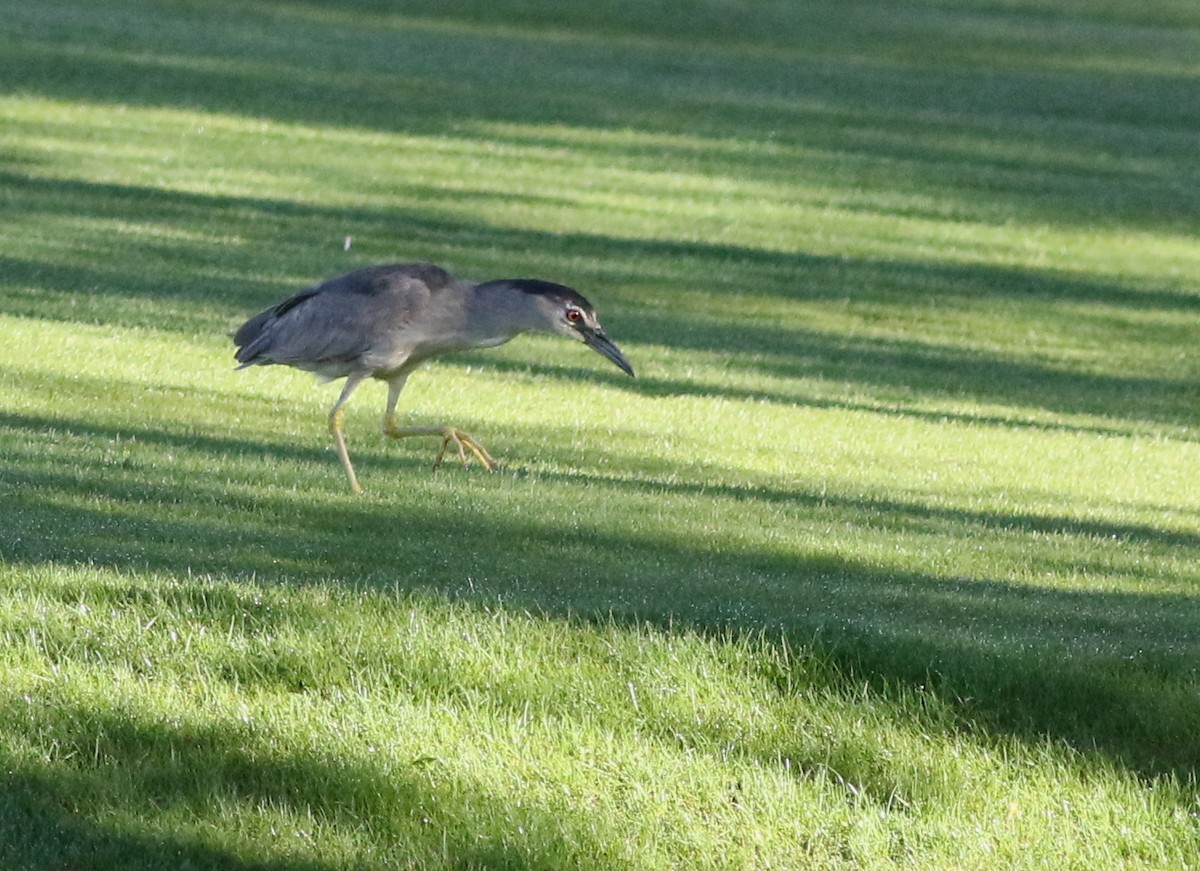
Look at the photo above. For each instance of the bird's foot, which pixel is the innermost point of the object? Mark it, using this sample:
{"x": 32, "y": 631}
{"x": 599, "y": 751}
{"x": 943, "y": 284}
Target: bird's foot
{"x": 449, "y": 435}
{"x": 462, "y": 441}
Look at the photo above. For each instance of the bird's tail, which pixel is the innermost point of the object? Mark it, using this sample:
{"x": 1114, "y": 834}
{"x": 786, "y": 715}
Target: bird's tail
{"x": 249, "y": 338}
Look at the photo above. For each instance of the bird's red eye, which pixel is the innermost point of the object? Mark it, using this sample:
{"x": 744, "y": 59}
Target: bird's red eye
{"x": 574, "y": 315}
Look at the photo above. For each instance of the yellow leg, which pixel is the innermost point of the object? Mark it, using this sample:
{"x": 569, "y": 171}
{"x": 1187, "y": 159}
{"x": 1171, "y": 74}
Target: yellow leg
{"x": 339, "y": 441}
{"x": 448, "y": 434}
{"x": 336, "y": 429}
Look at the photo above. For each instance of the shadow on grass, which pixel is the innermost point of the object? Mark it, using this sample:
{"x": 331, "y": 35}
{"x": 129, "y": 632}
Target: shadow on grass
{"x": 726, "y": 269}
{"x": 905, "y": 515}
{"x": 1103, "y": 671}
{"x": 899, "y": 368}
{"x": 59, "y": 814}
{"x": 977, "y": 117}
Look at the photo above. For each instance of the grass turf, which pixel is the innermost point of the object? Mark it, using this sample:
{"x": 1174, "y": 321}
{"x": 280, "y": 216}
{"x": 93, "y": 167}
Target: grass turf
{"x": 889, "y": 556}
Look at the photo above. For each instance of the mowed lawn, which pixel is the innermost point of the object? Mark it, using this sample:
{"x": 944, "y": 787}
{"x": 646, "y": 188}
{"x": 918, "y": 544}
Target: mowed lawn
{"x": 888, "y": 558}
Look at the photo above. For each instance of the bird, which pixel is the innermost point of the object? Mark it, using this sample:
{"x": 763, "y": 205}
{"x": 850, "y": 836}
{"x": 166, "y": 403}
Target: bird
{"x": 383, "y": 321}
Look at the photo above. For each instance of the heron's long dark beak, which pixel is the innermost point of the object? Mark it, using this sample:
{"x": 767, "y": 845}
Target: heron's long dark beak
{"x": 598, "y": 342}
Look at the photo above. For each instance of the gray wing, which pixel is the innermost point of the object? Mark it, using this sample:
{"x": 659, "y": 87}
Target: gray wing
{"x": 338, "y": 323}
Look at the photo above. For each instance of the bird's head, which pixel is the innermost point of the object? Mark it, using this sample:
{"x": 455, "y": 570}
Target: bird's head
{"x": 565, "y": 312}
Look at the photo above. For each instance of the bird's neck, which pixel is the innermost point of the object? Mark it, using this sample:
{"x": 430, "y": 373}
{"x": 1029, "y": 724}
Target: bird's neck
{"x": 500, "y": 310}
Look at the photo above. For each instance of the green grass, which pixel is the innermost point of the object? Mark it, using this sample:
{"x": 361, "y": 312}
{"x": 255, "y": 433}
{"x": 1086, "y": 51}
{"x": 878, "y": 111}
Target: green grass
{"x": 888, "y": 558}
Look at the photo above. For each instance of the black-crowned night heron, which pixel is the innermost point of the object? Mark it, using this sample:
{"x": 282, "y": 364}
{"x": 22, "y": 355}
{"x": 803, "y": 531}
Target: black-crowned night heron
{"x": 384, "y": 321}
